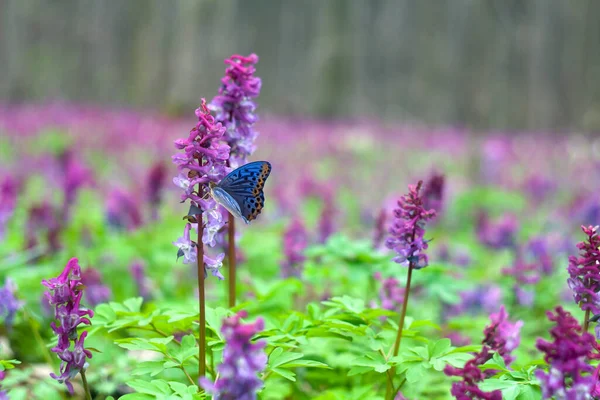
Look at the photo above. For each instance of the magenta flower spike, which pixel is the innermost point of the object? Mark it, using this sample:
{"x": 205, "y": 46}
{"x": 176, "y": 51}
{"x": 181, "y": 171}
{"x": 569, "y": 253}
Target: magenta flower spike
{"x": 502, "y": 337}
{"x": 584, "y": 274}
{"x": 65, "y": 293}
{"x": 235, "y": 108}
{"x": 569, "y": 376}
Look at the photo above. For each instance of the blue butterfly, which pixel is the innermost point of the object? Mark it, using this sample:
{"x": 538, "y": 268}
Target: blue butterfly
{"x": 241, "y": 191}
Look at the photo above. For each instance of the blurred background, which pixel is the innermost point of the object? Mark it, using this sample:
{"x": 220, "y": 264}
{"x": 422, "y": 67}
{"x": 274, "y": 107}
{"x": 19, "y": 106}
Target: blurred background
{"x": 485, "y": 65}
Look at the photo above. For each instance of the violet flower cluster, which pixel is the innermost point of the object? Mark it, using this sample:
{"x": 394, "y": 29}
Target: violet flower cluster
{"x": 569, "y": 375}
{"x": 484, "y": 298}
{"x": 122, "y": 210}
{"x": 3, "y": 393}
{"x": 526, "y": 274}
{"x": 203, "y": 160}
{"x": 391, "y": 294}
{"x": 584, "y": 272}
{"x": 187, "y": 249}
{"x": 242, "y": 361}
{"x": 65, "y": 293}
{"x": 234, "y": 107}
{"x": 9, "y": 304}
{"x": 295, "y": 241}
{"x": 408, "y": 229}
{"x": 500, "y": 336}
{"x": 75, "y": 175}
{"x": 8, "y": 202}
{"x": 499, "y": 234}
{"x": 96, "y": 291}
{"x": 155, "y": 182}
{"x": 433, "y": 192}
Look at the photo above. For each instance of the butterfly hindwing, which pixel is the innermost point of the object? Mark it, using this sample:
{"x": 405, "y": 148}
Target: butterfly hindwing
{"x": 245, "y": 186}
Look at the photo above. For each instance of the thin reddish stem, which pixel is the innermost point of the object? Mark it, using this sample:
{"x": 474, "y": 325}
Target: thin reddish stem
{"x": 201, "y": 301}
{"x": 232, "y": 260}
{"x": 586, "y": 321}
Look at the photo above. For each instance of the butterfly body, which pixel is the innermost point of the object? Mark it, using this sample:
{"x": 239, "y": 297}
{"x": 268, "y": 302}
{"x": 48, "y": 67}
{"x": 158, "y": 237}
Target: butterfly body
{"x": 241, "y": 191}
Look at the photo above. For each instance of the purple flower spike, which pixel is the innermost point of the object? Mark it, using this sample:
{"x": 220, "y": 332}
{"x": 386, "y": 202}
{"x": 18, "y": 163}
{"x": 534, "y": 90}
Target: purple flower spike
{"x": 202, "y": 159}
{"x": 584, "y": 272}
{"x": 186, "y": 248}
{"x": 234, "y": 107}
{"x": 409, "y": 228}
{"x": 242, "y": 361}
{"x": 65, "y": 295}
{"x": 502, "y": 335}
{"x": 154, "y": 185}
{"x": 295, "y": 241}
{"x": 569, "y": 375}
{"x": 9, "y": 304}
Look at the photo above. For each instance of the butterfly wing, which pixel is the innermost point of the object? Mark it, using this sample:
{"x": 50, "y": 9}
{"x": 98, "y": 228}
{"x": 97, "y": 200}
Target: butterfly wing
{"x": 244, "y": 186}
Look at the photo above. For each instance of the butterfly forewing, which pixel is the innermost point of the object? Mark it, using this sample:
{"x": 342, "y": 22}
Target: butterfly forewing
{"x": 245, "y": 187}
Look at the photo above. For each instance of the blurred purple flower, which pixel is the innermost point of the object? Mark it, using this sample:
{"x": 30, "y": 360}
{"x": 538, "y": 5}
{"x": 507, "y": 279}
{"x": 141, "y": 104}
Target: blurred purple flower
{"x": 235, "y": 109}
{"x": 138, "y": 272}
{"x": 539, "y": 249}
{"x": 482, "y": 299}
{"x": 499, "y": 234}
{"x": 525, "y": 275}
{"x": 65, "y": 293}
{"x": 154, "y": 185}
{"x": 95, "y": 291}
{"x": 433, "y": 193}
{"x": 500, "y": 336}
{"x": 379, "y": 229}
{"x": 539, "y": 187}
{"x": 8, "y": 202}
{"x": 391, "y": 294}
{"x": 3, "y": 393}
{"x": 43, "y": 218}
{"x": 242, "y": 361}
{"x": 567, "y": 377}
{"x": 9, "y": 304}
{"x": 325, "y": 192}
{"x": 122, "y": 210}
{"x": 584, "y": 272}
{"x": 203, "y": 161}
{"x": 409, "y": 228}
{"x": 75, "y": 176}
{"x": 295, "y": 241}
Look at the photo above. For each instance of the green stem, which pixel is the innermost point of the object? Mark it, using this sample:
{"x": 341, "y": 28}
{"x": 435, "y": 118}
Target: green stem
{"x": 586, "y": 321}
{"x": 188, "y": 375}
{"x": 86, "y": 387}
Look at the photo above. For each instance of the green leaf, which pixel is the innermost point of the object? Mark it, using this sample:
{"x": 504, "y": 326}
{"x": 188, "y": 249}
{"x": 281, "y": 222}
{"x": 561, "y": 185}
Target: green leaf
{"x": 133, "y": 304}
{"x": 530, "y": 392}
{"x": 8, "y": 364}
{"x": 287, "y": 374}
{"x": 152, "y": 368}
{"x": 439, "y": 348}
{"x": 306, "y": 363}
{"x": 278, "y": 357}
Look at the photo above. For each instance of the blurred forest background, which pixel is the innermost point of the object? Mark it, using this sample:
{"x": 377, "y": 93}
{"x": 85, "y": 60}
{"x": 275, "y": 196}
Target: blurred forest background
{"x": 485, "y": 64}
